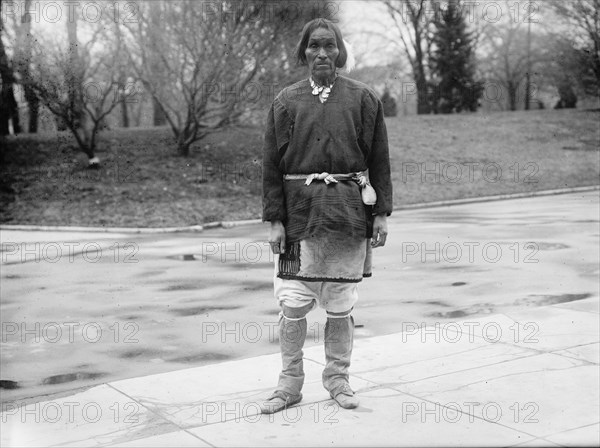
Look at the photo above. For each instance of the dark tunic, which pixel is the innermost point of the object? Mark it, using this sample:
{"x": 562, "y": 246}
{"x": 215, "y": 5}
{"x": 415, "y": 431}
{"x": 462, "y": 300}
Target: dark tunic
{"x": 345, "y": 134}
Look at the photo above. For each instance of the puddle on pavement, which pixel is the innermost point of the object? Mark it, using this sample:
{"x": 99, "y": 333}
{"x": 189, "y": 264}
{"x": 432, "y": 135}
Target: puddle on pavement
{"x": 542, "y": 300}
{"x": 198, "y": 284}
{"x": 150, "y": 273}
{"x": 437, "y": 302}
{"x": 480, "y": 308}
{"x": 69, "y": 377}
{"x": 191, "y": 257}
{"x": 186, "y": 286}
{"x": 488, "y": 308}
{"x": 113, "y": 290}
{"x": 251, "y": 263}
{"x": 545, "y": 246}
{"x": 168, "y": 337}
{"x": 139, "y": 353}
{"x": 194, "y": 311}
{"x": 207, "y": 356}
{"x": 185, "y": 257}
{"x": 587, "y": 146}
{"x": 129, "y": 317}
{"x": 258, "y": 286}
{"x": 449, "y": 314}
{"x": 463, "y": 268}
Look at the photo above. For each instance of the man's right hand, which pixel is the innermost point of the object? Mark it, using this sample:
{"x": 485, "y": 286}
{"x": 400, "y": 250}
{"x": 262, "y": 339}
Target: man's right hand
{"x": 277, "y": 238}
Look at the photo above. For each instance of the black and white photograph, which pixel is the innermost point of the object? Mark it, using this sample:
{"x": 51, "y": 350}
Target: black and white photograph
{"x": 303, "y": 223}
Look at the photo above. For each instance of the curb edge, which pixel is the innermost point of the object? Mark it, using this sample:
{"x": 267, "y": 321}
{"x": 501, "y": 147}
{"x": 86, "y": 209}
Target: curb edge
{"x": 232, "y": 224}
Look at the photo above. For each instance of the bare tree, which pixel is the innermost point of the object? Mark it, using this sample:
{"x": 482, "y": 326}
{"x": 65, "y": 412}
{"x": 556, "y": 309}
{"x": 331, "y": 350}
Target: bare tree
{"x": 199, "y": 65}
{"x": 413, "y": 21}
{"x": 506, "y": 60}
{"x": 80, "y": 87}
{"x": 511, "y": 52}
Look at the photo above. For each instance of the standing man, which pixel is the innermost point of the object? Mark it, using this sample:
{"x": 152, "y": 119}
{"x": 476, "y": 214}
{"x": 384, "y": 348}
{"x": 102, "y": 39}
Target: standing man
{"x": 323, "y": 134}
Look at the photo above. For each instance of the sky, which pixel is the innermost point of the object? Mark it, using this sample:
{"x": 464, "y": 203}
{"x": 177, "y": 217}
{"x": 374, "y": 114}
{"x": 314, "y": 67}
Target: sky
{"x": 365, "y": 24}
{"x": 368, "y": 27}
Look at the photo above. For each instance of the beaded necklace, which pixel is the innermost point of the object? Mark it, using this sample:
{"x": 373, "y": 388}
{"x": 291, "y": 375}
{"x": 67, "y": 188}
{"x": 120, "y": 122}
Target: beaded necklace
{"x": 322, "y": 91}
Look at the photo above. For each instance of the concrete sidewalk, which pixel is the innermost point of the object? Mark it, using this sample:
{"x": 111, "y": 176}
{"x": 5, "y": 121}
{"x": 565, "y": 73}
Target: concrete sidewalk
{"x": 526, "y": 374}
{"x": 528, "y": 379}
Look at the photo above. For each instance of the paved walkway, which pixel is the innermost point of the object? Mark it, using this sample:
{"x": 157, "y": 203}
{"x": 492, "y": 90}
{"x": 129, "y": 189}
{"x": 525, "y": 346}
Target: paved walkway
{"x": 509, "y": 356}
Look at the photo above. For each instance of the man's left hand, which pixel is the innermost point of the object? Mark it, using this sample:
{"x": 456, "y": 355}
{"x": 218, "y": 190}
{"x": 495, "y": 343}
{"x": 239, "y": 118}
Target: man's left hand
{"x": 380, "y": 231}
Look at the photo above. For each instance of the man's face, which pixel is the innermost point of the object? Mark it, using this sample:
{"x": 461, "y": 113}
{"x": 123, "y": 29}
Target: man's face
{"x": 321, "y": 54}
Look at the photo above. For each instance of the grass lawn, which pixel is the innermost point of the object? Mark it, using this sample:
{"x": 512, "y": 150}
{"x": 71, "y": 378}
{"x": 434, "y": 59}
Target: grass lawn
{"x": 142, "y": 182}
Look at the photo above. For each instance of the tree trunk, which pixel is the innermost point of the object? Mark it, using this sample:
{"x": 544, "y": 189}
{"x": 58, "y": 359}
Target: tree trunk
{"x": 60, "y": 123}
{"x": 8, "y": 105}
{"x": 34, "y": 109}
{"x": 77, "y": 120}
{"x": 423, "y": 105}
{"x": 183, "y": 149}
{"x": 9, "y": 110}
{"x": 74, "y": 75}
{"x": 159, "y": 115}
{"x": 124, "y": 109}
{"x": 23, "y": 53}
{"x": 122, "y": 86}
{"x": 124, "y": 115}
{"x": 159, "y": 118}
{"x": 512, "y": 96}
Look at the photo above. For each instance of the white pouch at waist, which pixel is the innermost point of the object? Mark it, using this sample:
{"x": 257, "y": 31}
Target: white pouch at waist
{"x": 369, "y": 197}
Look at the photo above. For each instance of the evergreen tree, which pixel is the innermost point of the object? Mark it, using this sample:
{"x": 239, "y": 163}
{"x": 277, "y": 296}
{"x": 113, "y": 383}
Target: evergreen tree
{"x": 453, "y": 62}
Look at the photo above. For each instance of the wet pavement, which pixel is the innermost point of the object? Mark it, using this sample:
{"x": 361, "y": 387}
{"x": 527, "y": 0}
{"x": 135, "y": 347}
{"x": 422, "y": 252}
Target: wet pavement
{"x": 493, "y": 303}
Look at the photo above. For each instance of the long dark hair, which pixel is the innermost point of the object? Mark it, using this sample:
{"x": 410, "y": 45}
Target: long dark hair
{"x": 307, "y": 31}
